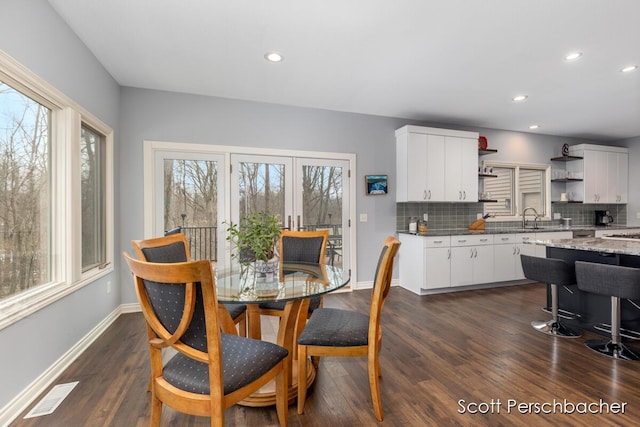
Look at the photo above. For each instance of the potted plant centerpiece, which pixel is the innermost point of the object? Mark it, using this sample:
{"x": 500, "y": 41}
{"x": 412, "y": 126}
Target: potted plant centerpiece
{"x": 254, "y": 239}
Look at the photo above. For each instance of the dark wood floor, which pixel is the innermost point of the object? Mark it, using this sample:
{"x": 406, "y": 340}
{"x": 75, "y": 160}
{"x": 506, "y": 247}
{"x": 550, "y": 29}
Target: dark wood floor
{"x": 477, "y": 346}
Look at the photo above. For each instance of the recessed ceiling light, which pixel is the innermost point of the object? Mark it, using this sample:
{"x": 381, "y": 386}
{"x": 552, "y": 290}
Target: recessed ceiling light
{"x": 273, "y": 57}
{"x": 629, "y": 69}
{"x": 572, "y": 56}
{"x": 519, "y": 98}
{"x": 532, "y": 127}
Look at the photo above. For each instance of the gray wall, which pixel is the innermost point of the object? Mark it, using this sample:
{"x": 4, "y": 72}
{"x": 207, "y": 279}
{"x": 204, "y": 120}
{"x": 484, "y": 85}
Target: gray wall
{"x": 32, "y": 33}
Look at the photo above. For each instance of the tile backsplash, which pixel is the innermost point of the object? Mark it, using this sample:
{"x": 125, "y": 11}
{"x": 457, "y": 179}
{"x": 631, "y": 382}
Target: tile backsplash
{"x": 445, "y": 216}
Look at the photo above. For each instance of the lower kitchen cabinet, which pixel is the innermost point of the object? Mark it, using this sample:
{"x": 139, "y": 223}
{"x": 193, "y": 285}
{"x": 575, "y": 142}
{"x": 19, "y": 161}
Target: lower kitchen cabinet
{"x": 442, "y": 262}
{"x": 424, "y": 262}
{"x": 471, "y": 259}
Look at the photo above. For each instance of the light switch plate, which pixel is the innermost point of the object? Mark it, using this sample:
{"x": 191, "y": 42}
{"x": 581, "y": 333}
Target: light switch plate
{"x": 557, "y": 215}
{"x": 425, "y": 216}
{"x": 479, "y": 215}
{"x": 363, "y": 217}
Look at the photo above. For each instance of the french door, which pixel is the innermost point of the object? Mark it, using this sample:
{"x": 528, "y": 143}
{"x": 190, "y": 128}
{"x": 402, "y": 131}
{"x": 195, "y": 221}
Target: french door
{"x": 200, "y": 189}
{"x": 304, "y": 193}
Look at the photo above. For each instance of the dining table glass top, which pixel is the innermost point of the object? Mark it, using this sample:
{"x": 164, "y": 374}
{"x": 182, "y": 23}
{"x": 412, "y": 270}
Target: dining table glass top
{"x": 291, "y": 281}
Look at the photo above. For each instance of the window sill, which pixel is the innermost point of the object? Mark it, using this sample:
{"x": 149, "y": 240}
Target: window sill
{"x": 23, "y": 305}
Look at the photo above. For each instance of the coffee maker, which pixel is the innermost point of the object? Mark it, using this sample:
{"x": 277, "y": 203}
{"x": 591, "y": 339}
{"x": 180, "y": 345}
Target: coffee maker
{"x": 603, "y": 219}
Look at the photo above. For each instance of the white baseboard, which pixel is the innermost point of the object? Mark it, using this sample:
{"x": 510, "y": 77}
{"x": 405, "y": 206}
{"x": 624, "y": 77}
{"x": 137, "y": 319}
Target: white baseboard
{"x": 369, "y": 284}
{"x": 19, "y": 403}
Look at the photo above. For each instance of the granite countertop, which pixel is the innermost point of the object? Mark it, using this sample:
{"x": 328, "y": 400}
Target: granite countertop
{"x": 510, "y": 230}
{"x": 593, "y": 244}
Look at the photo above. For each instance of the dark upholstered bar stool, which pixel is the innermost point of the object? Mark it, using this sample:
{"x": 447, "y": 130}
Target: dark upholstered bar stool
{"x": 617, "y": 282}
{"x": 554, "y": 272}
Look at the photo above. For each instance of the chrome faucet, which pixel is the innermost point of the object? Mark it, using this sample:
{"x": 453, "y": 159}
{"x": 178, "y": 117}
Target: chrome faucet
{"x": 524, "y": 219}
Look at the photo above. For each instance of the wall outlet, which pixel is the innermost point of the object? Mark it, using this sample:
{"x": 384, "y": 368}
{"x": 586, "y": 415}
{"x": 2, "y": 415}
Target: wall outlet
{"x": 479, "y": 215}
{"x": 557, "y": 215}
{"x": 363, "y": 217}
{"x": 425, "y": 216}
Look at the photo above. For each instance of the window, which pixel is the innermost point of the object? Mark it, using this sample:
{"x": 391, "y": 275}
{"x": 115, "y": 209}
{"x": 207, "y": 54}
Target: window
{"x": 516, "y": 187}
{"x": 56, "y": 194}
{"x": 25, "y": 192}
{"x": 92, "y": 190}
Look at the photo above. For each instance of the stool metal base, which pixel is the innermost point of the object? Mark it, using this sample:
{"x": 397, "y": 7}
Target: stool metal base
{"x": 617, "y": 351}
{"x": 554, "y": 328}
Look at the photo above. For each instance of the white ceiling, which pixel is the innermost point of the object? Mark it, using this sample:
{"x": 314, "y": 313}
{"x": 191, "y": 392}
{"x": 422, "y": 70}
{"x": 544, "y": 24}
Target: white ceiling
{"x": 448, "y": 61}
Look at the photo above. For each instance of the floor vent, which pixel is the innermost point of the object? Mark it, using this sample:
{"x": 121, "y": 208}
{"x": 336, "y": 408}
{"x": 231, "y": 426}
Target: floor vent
{"x": 51, "y": 400}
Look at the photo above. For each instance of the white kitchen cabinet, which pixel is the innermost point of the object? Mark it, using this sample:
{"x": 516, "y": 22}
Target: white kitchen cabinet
{"x": 436, "y": 165}
{"x": 461, "y": 157}
{"x": 424, "y": 262}
{"x": 504, "y": 257}
{"x": 509, "y": 247}
{"x": 423, "y": 165}
{"x": 605, "y": 174}
{"x": 437, "y": 258}
{"x": 471, "y": 259}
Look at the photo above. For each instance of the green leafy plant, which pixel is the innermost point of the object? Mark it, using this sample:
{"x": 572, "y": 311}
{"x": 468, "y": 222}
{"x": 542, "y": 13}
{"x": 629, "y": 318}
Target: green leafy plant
{"x": 254, "y": 237}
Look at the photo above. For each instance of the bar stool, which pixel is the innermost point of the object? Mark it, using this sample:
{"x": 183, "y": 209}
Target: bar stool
{"x": 617, "y": 282}
{"x": 553, "y": 272}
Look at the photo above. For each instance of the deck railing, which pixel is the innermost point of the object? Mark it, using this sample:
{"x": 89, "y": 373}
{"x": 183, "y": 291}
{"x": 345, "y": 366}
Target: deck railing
{"x": 202, "y": 241}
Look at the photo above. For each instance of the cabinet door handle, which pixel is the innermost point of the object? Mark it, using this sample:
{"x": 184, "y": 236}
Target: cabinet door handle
{"x": 514, "y": 251}
{"x": 484, "y": 240}
{"x": 464, "y": 195}
{"x": 429, "y": 197}
{"x": 518, "y": 251}
{"x": 475, "y": 253}
{"x": 424, "y": 195}
{"x": 525, "y": 238}
{"x": 459, "y": 195}
{"x": 449, "y": 254}
{"x": 437, "y": 241}
{"x": 461, "y": 241}
{"x": 504, "y": 239}
{"x": 471, "y": 251}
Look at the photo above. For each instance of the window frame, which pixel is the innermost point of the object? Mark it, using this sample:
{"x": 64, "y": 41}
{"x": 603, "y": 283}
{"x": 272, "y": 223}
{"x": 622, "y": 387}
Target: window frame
{"x": 66, "y": 233}
{"x": 545, "y": 168}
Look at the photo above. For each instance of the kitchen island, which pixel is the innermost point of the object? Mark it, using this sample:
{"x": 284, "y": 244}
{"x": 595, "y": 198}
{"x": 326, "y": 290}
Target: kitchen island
{"x": 589, "y": 311}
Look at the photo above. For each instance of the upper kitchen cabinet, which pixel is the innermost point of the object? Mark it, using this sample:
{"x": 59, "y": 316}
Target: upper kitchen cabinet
{"x": 605, "y": 170}
{"x": 436, "y": 165}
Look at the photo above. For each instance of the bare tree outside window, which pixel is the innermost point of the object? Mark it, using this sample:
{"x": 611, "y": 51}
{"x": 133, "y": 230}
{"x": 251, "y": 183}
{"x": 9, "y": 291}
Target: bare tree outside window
{"x": 25, "y": 192}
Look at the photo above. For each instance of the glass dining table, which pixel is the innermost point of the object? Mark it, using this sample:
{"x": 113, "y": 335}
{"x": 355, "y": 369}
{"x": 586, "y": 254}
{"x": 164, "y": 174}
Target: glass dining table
{"x": 292, "y": 283}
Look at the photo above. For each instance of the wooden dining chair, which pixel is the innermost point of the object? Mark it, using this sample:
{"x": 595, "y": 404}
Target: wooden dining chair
{"x": 174, "y": 248}
{"x": 211, "y": 370}
{"x": 298, "y": 246}
{"x": 342, "y": 333}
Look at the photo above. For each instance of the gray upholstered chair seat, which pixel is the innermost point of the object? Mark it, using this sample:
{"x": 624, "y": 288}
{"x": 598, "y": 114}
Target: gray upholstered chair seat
{"x": 332, "y": 327}
{"x": 235, "y": 310}
{"x": 279, "y": 305}
{"x": 244, "y": 360}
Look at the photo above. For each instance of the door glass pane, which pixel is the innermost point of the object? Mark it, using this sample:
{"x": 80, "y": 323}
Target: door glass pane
{"x": 262, "y": 188}
{"x": 191, "y": 204}
{"x": 25, "y": 192}
{"x": 322, "y": 192}
{"x": 92, "y": 185}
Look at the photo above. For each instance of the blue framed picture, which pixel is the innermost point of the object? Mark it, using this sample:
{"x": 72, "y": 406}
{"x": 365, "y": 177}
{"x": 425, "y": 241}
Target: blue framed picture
{"x": 376, "y": 184}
